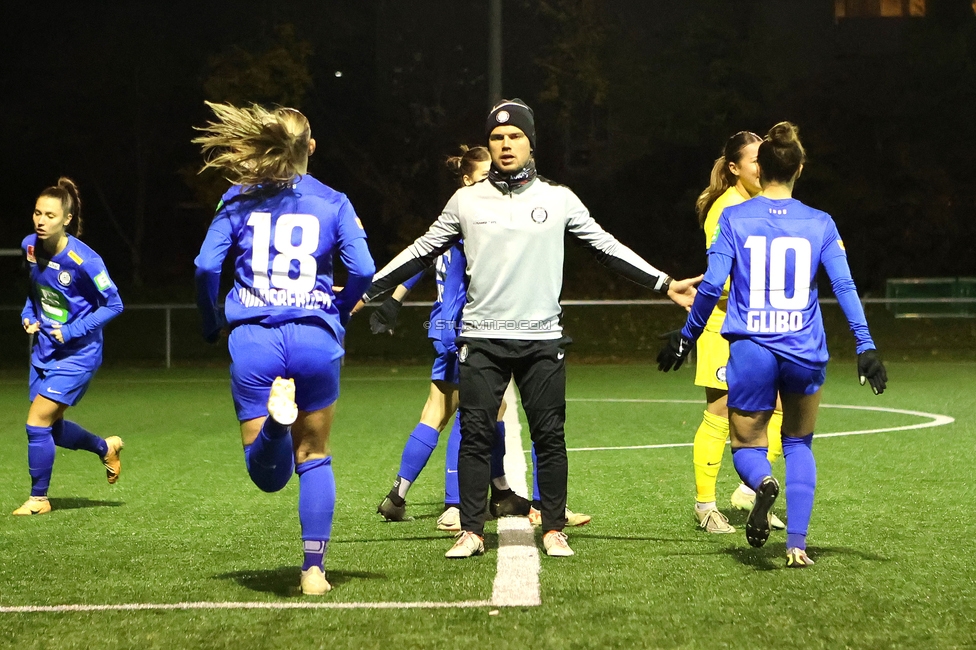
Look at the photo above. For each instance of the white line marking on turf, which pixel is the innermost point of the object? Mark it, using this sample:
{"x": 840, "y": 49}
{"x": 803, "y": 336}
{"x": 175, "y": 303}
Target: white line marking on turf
{"x": 936, "y": 420}
{"x": 126, "y": 607}
{"x": 517, "y": 576}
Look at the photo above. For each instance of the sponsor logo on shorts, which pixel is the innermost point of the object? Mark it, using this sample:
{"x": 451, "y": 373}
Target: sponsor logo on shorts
{"x": 539, "y": 215}
{"x": 463, "y": 353}
{"x": 720, "y": 375}
{"x": 51, "y": 390}
{"x": 560, "y": 355}
{"x": 64, "y": 278}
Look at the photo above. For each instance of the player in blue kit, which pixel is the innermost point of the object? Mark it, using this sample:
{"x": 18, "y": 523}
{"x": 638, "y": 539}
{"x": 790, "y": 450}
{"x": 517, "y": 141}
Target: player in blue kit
{"x": 773, "y": 246}
{"x": 283, "y": 228}
{"x": 71, "y": 299}
{"x": 445, "y": 318}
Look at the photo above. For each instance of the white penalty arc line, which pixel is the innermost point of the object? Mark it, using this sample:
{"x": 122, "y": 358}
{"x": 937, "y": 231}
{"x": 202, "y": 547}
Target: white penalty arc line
{"x": 129, "y": 607}
{"x": 936, "y": 420}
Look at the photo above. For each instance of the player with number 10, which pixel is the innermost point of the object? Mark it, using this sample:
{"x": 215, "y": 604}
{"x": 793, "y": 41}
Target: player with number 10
{"x": 286, "y": 324}
{"x": 773, "y": 246}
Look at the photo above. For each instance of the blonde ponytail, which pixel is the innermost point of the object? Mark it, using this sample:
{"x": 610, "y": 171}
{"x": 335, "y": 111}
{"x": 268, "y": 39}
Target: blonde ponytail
{"x": 254, "y": 146}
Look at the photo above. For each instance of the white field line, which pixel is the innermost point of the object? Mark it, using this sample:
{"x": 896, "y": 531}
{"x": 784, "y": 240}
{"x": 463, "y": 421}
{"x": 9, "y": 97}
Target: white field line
{"x": 517, "y": 577}
{"x": 936, "y": 420}
{"x": 128, "y": 607}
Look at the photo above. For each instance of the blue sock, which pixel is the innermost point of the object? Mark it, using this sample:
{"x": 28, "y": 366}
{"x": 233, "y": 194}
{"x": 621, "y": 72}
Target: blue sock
{"x": 498, "y": 451}
{"x": 452, "y": 493}
{"x": 70, "y": 435}
{"x": 420, "y": 445}
{"x": 270, "y": 459}
{"x": 801, "y": 482}
{"x": 752, "y": 465}
{"x": 316, "y": 507}
{"x": 40, "y": 459}
{"x": 536, "y": 499}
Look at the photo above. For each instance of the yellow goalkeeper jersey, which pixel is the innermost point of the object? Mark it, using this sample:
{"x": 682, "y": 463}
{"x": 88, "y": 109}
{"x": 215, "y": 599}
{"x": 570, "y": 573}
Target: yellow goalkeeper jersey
{"x": 729, "y": 198}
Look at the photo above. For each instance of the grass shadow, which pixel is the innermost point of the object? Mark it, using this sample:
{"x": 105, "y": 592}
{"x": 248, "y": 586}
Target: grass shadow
{"x": 74, "y": 503}
{"x": 284, "y": 581}
{"x": 762, "y": 559}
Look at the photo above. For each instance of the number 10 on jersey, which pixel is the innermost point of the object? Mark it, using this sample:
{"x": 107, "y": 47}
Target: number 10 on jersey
{"x": 770, "y": 291}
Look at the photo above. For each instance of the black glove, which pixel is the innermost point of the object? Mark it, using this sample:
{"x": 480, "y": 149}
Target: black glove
{"x": 673, "y": 354}
{"x": 384, "y": 318}
{"x": 871, "y": 369}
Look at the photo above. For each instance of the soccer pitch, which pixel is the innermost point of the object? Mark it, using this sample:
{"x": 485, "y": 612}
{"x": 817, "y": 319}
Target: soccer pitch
{"x": 891, "y": 532}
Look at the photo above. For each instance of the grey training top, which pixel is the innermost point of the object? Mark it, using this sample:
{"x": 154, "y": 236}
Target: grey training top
{"x": 514, "y": 244}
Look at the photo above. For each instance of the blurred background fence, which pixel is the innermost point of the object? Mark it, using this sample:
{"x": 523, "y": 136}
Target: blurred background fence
{"x": 905, "y": 327}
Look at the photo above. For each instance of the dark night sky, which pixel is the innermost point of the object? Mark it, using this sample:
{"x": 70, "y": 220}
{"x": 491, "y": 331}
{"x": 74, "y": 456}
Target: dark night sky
{"x": 108, "y": 93}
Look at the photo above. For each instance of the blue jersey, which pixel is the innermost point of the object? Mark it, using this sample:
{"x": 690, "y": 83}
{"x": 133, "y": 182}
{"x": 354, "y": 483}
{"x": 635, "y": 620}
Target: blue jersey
{"x": 450, "y": 270}
{"x": 283, "y": 244}
{"x": 773, "y": 250}
{"x": 73, "y": 289}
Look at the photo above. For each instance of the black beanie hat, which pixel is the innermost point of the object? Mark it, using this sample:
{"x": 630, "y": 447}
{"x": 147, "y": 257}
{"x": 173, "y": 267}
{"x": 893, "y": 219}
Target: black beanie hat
{"x": 512, "y": 112}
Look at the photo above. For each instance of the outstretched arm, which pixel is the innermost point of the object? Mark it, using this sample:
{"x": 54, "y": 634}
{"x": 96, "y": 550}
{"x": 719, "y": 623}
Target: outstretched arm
{"x": 416, "y": 257}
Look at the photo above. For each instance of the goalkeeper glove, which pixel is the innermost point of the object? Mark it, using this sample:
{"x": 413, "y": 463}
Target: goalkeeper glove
{"x": 871, "y": 369}
{"x": 674, "y": 352}
{"x": 384, "y": 318}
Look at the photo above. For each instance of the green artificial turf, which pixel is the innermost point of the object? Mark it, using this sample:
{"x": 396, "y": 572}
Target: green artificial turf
{"x": 892, "y": 528}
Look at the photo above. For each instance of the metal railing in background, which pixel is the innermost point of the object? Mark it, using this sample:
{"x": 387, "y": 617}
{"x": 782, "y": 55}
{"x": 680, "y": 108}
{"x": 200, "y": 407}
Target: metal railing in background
{"x": 167, "y": 310}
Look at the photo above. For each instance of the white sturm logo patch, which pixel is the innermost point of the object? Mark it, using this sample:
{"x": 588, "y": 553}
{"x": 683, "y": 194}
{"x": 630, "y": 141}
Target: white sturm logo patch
{"x": 463, "y": 353}
{"x": 720, "y": 374}
{"x": 64, "y": 278}
{"x": 539, "y": 215}
{"x": 502, "y": 117}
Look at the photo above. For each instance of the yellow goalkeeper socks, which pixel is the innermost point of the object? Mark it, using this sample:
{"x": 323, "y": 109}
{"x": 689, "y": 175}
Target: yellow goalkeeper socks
{"x": 774, "y": 436}
{"x": 708, "y": 450}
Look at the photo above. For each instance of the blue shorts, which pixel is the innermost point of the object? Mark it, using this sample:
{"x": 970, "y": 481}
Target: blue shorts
{"x": 307, "y": 353}
{"x": 445, "y": 364}
{"x": 756, "y": 374}
{"x": 58, "y": 385}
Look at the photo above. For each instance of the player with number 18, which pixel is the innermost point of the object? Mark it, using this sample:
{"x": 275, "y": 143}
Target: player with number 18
{"x": 283, "y": 228}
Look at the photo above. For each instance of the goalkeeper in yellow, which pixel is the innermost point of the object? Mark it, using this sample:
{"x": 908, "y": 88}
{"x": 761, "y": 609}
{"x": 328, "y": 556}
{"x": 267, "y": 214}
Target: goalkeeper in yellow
{"x": 734, "y": 179}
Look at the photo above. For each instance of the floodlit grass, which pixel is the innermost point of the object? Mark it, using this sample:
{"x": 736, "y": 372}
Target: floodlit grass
{"x": 891, "y": 533}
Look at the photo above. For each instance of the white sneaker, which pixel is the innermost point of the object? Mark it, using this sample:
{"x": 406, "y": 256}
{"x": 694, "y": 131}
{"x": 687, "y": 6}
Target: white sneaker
{"x": 713, "y": 521}
{"x": 450, "y": 520}
{"x": 743, "y": 498}
{"x": 572, "y": 518}
{"x": 314, "y": 582}
{"x": 281, "y": 403}
{"x": 467, "y": 544}
{"x": 556, "y": 544}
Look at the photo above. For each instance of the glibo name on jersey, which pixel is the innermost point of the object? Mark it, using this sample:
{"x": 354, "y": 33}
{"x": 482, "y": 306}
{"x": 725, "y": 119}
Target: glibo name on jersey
{"x": 774, "y": 321}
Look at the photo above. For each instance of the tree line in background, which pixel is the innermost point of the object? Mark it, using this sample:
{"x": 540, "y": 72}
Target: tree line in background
{"x": 631, "y": 111}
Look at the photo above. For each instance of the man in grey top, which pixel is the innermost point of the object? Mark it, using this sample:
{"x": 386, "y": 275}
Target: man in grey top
{"x": 513, "y": 227}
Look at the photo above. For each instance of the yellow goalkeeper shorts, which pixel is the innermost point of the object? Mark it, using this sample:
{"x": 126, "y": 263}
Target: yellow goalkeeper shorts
{"x": 713, "y": 355}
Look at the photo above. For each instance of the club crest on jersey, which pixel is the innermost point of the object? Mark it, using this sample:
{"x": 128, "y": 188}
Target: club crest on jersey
{"x": 30, "y": 254}
{"x": 720, "y": 375}
{"x": 463, "y": 353}
{"x": 539, "y": 215}
{"x": 502, "y": 116}
{"x": 64, "y": 278}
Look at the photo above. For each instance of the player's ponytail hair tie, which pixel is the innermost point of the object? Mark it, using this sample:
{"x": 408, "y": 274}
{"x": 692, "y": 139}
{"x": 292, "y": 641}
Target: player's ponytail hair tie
{"x": 66, "y": 191}
{"x": 467, "y": 162}
{"x": 254, "y": 146}
{"x": 781, "y": 154}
